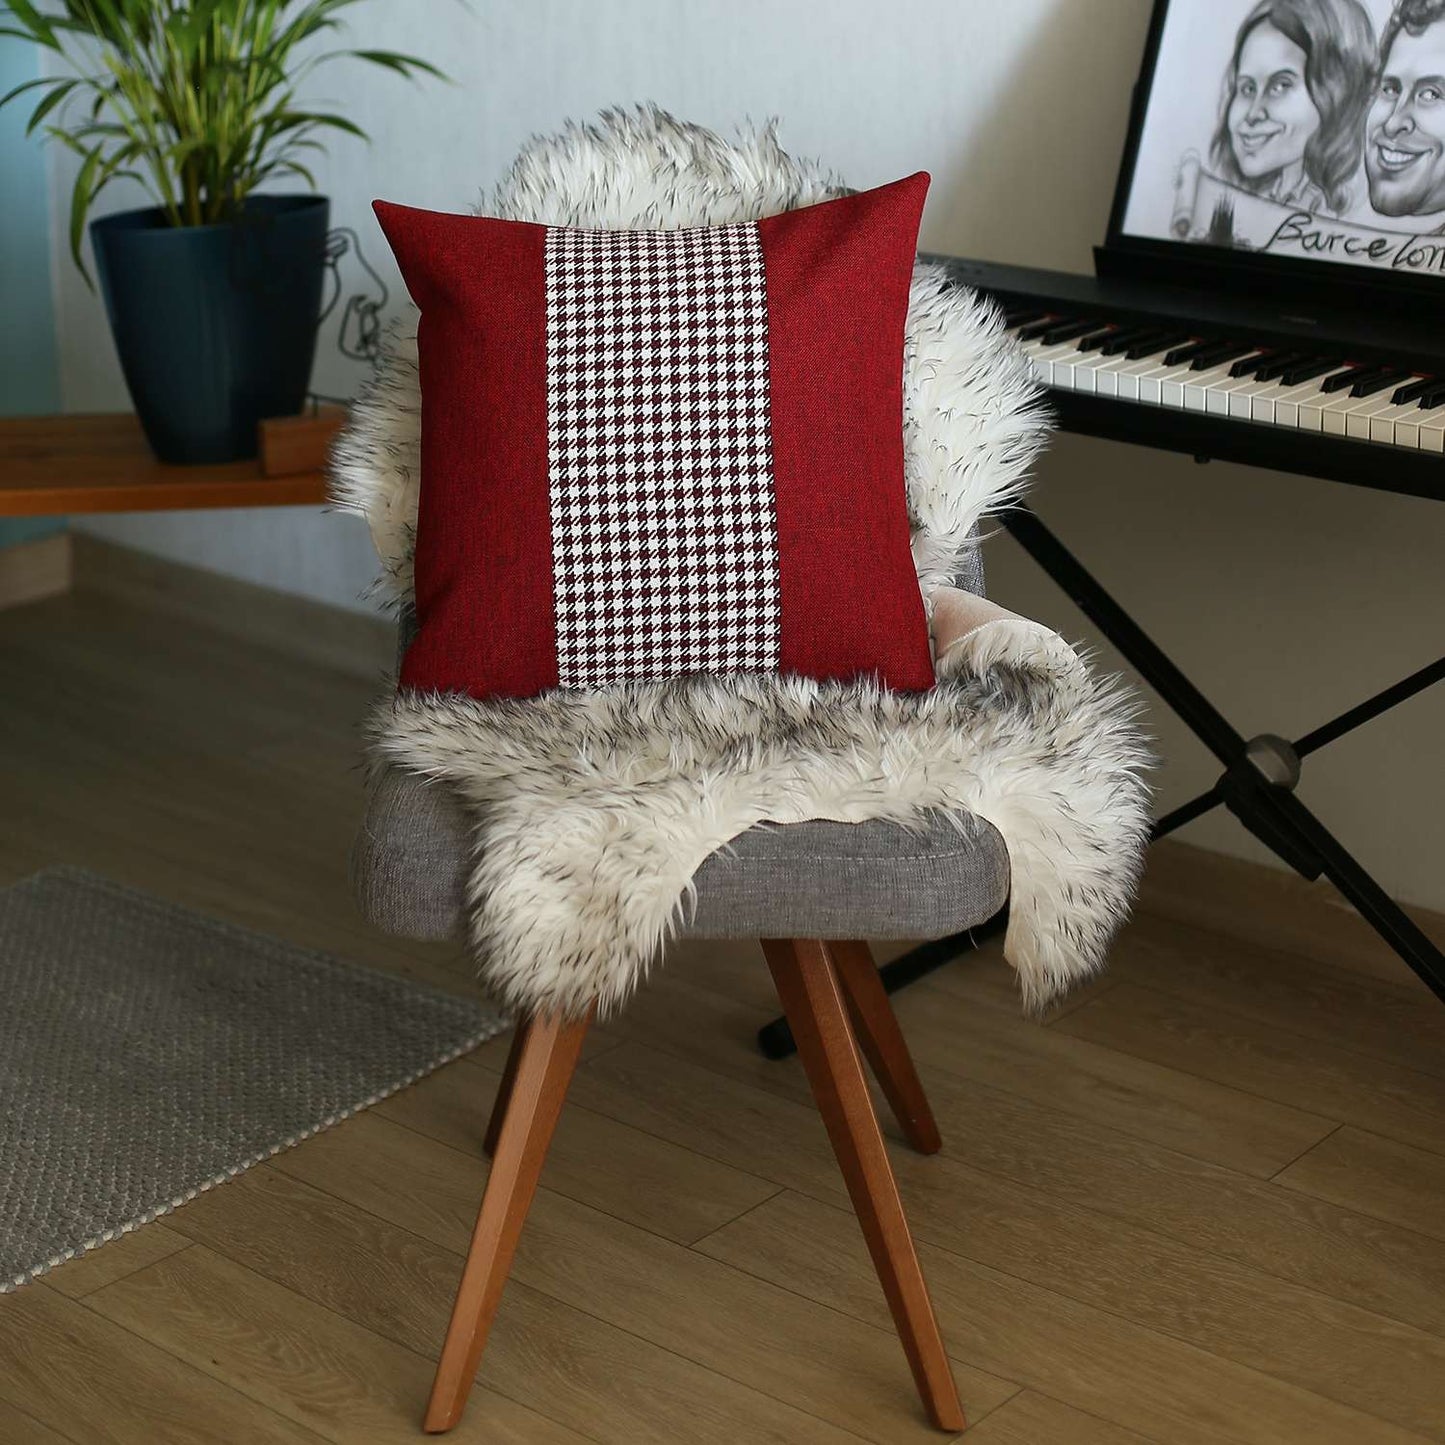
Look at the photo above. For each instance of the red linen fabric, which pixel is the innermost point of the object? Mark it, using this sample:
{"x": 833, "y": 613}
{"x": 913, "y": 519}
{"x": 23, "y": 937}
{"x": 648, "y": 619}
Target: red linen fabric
{"x": 838, "y": 277}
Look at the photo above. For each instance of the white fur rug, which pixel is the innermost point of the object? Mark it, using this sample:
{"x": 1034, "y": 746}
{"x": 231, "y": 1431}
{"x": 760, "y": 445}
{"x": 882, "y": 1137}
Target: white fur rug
{"x": 593, "y": 810}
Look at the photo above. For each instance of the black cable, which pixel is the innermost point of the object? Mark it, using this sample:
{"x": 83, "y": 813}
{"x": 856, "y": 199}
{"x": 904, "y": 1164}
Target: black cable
{"x": 359, "y": 335}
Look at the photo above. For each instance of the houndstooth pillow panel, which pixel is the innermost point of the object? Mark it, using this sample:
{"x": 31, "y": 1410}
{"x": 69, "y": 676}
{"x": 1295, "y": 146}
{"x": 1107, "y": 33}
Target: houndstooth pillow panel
{"x": 660, "y": 472}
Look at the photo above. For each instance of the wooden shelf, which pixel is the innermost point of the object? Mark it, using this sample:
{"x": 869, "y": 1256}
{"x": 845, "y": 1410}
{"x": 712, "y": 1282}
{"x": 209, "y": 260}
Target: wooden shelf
{"x": 51, "y": 465}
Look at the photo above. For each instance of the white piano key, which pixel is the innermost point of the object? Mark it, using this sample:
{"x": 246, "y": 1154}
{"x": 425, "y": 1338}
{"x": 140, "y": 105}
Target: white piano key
{"x": 1197, "y": 388}
{"x": 1043, "y": 357}
{"x": 1358, "y": 423}
{"x": 1334, "y": 413}
{"x": 1241, "y": 399}
{"x": 1131, "y": 376}
{"x": 1061, "y": 369}
{"x": 1042, "y": 370}
{"x": 1145, "y": 376}
{"x": 1407, "y": 427}
{"x": 1069, "y": 369}
{"x": 1311, "y": 412}
{"x": 1152, "y": 383}
{"x": 1217, "y": 398}
{"x": 1432, "y": 430}
{"x": 1095, "y": 360}
{"x": 1287, "y": 407}
{"x": 1103, "y": 380}
{"x": 1084, "y": 370}
{"x": 1171, "y": 388}
{"x": 1072, "y": 372}
{"x": 1262, "y": 403}
{"x": 1399, "y": 426}
{"x": 1289, "y": 410}
{"x": 1106, "y": 374}
{"x": 1094, "y": 374}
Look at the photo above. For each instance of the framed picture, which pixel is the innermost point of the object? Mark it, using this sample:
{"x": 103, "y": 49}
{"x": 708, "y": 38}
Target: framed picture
{"x": 1277, "y": 136}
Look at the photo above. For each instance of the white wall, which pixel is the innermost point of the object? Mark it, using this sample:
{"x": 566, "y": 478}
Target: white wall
{"x": 1288, "y": 598}
{"x": 877, "y": 89}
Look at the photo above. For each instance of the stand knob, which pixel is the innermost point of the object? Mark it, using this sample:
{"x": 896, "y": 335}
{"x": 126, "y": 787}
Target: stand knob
{"x": 1274, "y": 759}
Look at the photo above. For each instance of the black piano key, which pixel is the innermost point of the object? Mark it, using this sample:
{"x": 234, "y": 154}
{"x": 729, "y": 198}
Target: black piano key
{"x": 1151, "y": 345}
{"x": 1122, "y": 340}
{"x": 1248, "y": 365}
{"x": 1022, "y": 316}
{"x": 1221, "y": 352}
{"x": 1097, "y": 340}
{"x": 1376, "y": 379}
{"x": 1036, "y": 329}
{"x": 1307, "y": 370}
{"x": 1276, "y": 365}
{"x": 1184, "y": 353}
{"x": 1348, "y": 377}
{"x": 1067, "y": 331}
{"x": 1145, "y": 343}
{"x": 1434, "y": 397}
{"x": 1374, "y": 384}
{"x": 1414, "y": 390}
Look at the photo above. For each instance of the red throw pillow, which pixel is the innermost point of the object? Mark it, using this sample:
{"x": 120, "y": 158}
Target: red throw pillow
{"x": 653, "y": 453}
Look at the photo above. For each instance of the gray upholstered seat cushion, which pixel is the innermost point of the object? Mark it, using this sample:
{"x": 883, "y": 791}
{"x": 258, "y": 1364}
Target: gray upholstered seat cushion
{"x": 799, "y": 880}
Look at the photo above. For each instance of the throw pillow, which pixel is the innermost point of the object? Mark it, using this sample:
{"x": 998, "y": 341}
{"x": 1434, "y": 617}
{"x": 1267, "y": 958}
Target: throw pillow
{"x": 647, "y": 454}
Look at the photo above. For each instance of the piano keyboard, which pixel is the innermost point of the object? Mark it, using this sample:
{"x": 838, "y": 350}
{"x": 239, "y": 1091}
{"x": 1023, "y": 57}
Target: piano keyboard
{"x": 1296, "y": 390}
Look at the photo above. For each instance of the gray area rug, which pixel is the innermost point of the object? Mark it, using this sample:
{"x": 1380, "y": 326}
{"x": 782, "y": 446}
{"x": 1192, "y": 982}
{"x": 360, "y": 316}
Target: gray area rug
{"x": 148, "y": 1052}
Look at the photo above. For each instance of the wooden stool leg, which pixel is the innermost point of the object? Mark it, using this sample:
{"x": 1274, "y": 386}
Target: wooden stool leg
{"x": 504, "y": 1089}
{"x": 813, "y": 1002}
{"x": 882, "y": 1042}
{"x": 546, "y": 1061}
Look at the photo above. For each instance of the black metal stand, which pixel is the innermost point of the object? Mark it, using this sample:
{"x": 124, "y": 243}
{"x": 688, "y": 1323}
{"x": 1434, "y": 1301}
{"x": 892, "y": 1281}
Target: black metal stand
{"x": 1257, "y": 786}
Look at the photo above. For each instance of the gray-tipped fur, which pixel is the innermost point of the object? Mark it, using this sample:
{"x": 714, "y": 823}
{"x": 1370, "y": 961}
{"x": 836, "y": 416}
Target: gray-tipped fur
{"x": 593, "y": 810}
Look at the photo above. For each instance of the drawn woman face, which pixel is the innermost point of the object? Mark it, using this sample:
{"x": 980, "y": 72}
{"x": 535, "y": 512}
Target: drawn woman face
{"x": 1271, "y": 115}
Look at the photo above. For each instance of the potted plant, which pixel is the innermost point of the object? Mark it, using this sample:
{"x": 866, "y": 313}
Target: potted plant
{"x": 214, "y": 292}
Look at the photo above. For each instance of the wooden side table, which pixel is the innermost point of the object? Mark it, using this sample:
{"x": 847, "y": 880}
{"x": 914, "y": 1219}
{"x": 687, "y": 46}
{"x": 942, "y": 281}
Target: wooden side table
{"x": 58, "y": 465}
{"x": 66, "y": 465}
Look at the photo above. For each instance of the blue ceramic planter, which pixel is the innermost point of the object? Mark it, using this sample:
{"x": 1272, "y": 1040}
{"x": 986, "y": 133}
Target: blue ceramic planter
{"x": 215, "y": 325}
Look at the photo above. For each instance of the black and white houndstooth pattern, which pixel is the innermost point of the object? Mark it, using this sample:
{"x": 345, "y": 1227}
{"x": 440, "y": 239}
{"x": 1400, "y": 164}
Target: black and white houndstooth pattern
{"x": 664, "y": 531}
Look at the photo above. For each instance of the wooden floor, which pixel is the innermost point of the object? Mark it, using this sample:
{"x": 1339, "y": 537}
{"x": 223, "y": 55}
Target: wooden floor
{"x": 1203, "y": 1204}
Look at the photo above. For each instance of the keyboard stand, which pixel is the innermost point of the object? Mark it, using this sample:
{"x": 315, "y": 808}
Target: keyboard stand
{"x": 1257, "y": 785}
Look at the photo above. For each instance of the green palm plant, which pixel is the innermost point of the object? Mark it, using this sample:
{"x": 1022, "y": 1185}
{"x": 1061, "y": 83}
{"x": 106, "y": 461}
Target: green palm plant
{"x": 195, "y": 99}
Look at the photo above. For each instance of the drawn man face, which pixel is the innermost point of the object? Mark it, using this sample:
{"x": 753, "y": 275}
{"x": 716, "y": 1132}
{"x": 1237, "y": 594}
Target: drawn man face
{"x": 1271, "y": 115}
{"x": 1405, "y": 146}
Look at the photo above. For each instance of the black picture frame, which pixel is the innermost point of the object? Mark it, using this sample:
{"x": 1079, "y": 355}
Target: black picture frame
{"x": 1283, "y": 282}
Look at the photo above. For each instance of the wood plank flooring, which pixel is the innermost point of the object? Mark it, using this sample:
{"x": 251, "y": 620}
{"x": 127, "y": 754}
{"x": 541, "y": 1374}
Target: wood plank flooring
{"x": 1202, "y": 1204}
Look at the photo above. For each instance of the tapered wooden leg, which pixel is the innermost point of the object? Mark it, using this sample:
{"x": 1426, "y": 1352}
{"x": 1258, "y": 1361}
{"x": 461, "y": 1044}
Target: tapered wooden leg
{"x": 546, "y": 1060}
{"x": 813, "y": 1001}
{"x": 504, "y": 1089}
{"x": 882, "y": 1042}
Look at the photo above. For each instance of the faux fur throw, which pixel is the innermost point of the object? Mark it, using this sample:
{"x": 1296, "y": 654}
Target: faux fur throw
{"x": 592, "y": 810}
